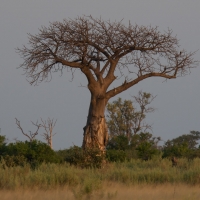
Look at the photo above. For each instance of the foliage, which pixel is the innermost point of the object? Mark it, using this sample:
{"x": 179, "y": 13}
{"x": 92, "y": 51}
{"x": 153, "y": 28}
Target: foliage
{"x": 119, "y": 142}
{"x": 194, "y": 154}
{"x": 88, "y": 158}
{"x": 2, "y": 144}
{"x": 191, "y": 139}
{"x": 119, "y": 118}
{"x": 182, "y": 146}
{"x": 145, "y": 144}
{"x": 34, "y": 153}
{"x": 142, "y": 145}
{"x": 143, "y": 137}
{"x": 146, "y": 150}
{"x": 2, "y": 140}
{"x": 177, "y": 150}
{"x": 124, "y": 123}
{"x": 113, "y": 155}
{"x": 125, "y": 119}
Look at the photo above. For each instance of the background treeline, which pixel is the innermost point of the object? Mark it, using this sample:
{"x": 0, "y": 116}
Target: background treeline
{"x": 129, "y": 138}
{"x": 142, "y": 146}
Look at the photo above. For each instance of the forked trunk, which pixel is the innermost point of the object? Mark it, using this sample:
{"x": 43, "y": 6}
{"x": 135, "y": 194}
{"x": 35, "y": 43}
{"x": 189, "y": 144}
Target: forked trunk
{"x": 96, "y": 132}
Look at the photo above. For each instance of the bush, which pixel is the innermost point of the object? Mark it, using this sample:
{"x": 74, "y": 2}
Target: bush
{"x": 89, "y": 158}
{"x": 119, "y": 142}
{"x": 34, "y": 153}
{"x": 177, "y": 150}
{"x": 2, "y": 140}
{"x": 146, "y": 150}
{"x": 115, "y": 155}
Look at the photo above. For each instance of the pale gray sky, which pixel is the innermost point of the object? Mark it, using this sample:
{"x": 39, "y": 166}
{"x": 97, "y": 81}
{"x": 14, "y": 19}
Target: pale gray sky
{"x": 177, "y": 101}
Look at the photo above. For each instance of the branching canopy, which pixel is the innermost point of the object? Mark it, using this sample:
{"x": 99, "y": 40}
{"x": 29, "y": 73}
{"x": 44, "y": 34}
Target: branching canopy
{"x": 99, "y": 48}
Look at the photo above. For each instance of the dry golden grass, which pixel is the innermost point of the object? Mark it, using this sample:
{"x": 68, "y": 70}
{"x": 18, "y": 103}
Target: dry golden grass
{"x": 135, "y": 180}
{"x": 109, "y": 191}
{"x": 154, "y": 192}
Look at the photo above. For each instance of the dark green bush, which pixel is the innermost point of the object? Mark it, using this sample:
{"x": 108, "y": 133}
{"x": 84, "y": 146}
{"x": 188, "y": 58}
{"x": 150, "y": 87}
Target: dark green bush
{"x": 113, "y": 155}
{"x": 2, "y": 140}
{"x": 89, "y": 158}
{"x": 194, "y": 154}
{"x": 185, "y": 146}
{"x": 177, "y": 150}
{"x": 119, "y": 142}
{"x": 34, "y": 153}
{"x": 146, "y": 150}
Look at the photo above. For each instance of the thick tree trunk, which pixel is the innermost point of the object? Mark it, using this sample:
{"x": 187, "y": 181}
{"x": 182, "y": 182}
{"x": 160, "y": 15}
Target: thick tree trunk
{"x": 96, "y": 132}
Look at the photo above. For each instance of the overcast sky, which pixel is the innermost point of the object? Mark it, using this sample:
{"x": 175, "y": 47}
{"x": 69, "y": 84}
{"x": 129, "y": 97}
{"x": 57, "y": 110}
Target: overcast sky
{"x": 177, "y": 101}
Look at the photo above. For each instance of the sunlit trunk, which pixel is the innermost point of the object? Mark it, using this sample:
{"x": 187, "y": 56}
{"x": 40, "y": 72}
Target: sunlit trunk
{"x": 95, "y": 131}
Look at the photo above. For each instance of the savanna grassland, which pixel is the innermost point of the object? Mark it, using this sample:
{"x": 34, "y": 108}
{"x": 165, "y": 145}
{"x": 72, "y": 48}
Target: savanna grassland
{"x": 154, "y": 179}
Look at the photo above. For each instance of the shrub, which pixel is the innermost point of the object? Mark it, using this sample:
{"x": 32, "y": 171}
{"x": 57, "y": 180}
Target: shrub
{"x": 146, "y": 150}
{"x": 115, "y": 155}
{"x": 34, "y": 153}
{"x": 2, "y": 140}
{"x": 177, "y": 150}
{"x": 119, "y": 142}
{"x": 89, "y": 158}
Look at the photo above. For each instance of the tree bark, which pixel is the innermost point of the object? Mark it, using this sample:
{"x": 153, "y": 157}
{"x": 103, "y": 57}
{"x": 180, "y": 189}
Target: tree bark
{"x": 96, "y": 132}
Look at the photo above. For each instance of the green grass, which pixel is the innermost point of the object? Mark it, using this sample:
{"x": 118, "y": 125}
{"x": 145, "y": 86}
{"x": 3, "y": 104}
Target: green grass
{"x": 135, "y": 172}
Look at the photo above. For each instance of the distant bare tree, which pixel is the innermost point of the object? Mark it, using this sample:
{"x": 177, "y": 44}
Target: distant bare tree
{"x": 104, "y": 51}
{"x": 48, "y": 126}
{"x": 31, "y": 135}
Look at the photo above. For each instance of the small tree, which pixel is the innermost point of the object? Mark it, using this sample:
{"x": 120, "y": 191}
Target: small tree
{"x": 124, "y": 118}
{"x": 103, "y": 50}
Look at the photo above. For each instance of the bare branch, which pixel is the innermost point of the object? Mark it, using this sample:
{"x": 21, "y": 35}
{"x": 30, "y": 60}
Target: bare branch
{"x": 101, "y": 49}
{"x": 127, "y": 85}
{"x": 31, "y": 136}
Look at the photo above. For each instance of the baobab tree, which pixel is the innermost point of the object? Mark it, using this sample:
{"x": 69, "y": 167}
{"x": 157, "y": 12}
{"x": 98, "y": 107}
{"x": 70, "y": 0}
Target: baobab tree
{"x": 104, "y": 52}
